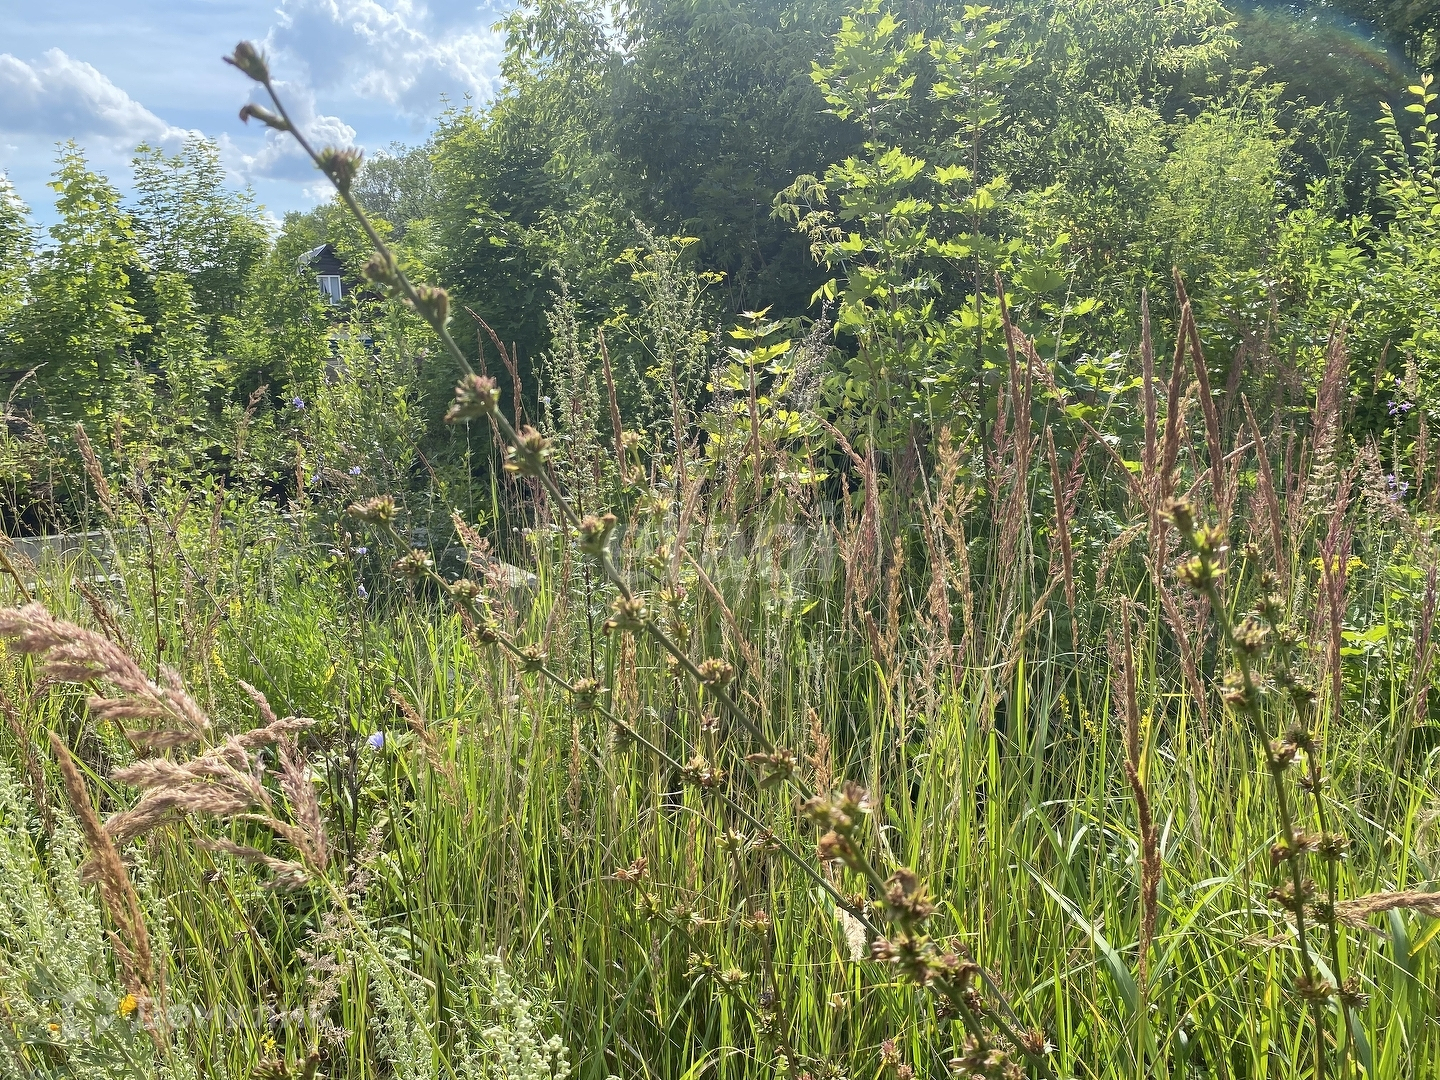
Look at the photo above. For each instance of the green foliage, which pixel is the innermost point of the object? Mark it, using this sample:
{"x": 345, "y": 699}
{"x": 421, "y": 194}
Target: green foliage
{"x": 181, "y": 332}
{"x": 1092, "y": 126}
{"x": 687, "y": 117}
{"x": 1414, "y": 25}
{"x": 1220, "y": 193}
{"x": 500, "y": 1031}
{"x": 763, "y": 395}
{"x": 80, "y": 320}
{"x": 15, "y": 244}
{"x": 398, "y": 186}
{"x": 189, "y": 222}
{"x": 65, "y": 1012}
{"x": 670, "y": 335}
{"x": 913, "y": 223}
{"x": 570, "y": 408}
{"x": 1376, "y": 275}
{"x": 891, "y": 463}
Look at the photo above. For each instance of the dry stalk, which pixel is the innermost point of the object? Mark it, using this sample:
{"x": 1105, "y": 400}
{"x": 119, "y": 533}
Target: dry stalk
{"x": 1159, "y": 489}
{"x": 91, "y": 462}
{"x": 935, "y": 618}
{"x": 1354, "y": 912}
{"x": 131, "y": 940}
{"x": 104, "y": 617}
{"x": 34, "y": 773}
{"x": 1188, "y": 665}
{"x": 434, "y": 752}
{"x": 615, "y": 423}
{"x": 860, "y": 547}
{"x": 1065, "y": 491}
{"x": 1317, "y": 467}
{"x": 1147, "y": 392}
{"x": 991, "y": 1040}
{"x": 736, "y": 636}
{"x": 1265, "y": 485}
{"x": 952, "y": 502}
{"x": 1023, "y": 626}
{"x": 1170, "y": 439}
{"x": 1207, "y": 399}
{"x": 1334, "y": 575}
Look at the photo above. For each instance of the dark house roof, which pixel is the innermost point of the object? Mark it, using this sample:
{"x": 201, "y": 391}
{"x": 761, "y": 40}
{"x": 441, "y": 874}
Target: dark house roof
{"x": 322, "y": 260}
{"x": 329, "y": 272}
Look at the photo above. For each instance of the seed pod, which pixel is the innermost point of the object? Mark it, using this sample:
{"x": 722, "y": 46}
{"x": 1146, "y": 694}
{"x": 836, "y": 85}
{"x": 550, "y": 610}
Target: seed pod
{"x": 629, "y": 615}
{"x": 432, "y": 303}
{"x": 529, "y": 454}
{"x": 465, "y": 590}
{"x": 341, "y": 166}
{"x": 264, "y": 115}
{"x": 715, "y": 673}
{"x": 475, "y": 395}
{"x": 595, "y": 533}
{"x": 414, "y": 563}
{"x": 378, "y": 511}
{"x": 249, "y": 60}
{"x": 379, "y": 269}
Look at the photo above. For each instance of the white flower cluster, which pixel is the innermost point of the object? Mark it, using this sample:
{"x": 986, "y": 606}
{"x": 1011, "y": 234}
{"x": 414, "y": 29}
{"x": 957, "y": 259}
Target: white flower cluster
{"x": 501, "y": 1035}
{"x": 59, "y": 1001}
{"x": 513, "y": 1045}
{"x": 405, "y": 1045}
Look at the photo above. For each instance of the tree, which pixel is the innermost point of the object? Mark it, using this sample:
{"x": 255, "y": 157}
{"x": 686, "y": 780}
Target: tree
{"x": 917, "y": 227}
{"x": 1412, "y": 25}
{"x": 684, "y": 116}
{"x": 525, "y": 184}
{"x": 713, "y": 112}
{"x": 280, "y": 337}
{"x": 16, "y": 244}
{"x": 189, "y": 222}
{"x": 80, "y": 322}
{"x": 398, "y": 185}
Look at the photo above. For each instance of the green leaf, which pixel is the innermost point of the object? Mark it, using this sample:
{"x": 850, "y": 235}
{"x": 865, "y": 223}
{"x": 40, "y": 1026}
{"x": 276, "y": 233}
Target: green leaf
{"x": 1124, "y": 982}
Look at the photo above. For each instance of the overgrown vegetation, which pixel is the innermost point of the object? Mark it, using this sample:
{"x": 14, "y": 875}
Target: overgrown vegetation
{"x": 920, "y": 563}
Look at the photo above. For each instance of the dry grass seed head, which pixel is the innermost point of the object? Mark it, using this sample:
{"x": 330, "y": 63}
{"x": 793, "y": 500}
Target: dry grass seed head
{"x": 1355, "y": 912}
{"x": 117, "y": 892}
{"x": 73, "y": 654}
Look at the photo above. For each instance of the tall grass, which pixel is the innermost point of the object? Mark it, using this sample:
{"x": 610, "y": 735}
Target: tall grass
{"x": 990, "y": 639}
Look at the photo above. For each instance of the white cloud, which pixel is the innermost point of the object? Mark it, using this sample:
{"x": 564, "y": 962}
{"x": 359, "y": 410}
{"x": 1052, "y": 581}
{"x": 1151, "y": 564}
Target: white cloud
{"x": 383, "y": 65}
{"x": 279, "y": 156}
{"x": 400, "y": 52}
{"x": 59, "y": 97}
{"x": 353, "y": 54}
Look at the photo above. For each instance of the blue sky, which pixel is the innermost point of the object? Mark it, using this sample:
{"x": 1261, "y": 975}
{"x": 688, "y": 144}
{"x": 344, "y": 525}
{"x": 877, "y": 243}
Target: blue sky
{"x": 111, "y": 73}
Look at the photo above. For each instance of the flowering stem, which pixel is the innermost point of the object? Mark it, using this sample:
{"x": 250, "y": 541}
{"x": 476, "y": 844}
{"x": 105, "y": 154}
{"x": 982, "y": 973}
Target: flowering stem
{"x": 545, "y": 670}
{"x": 1203, "y": 574}
{"x": 432, "y": 306}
